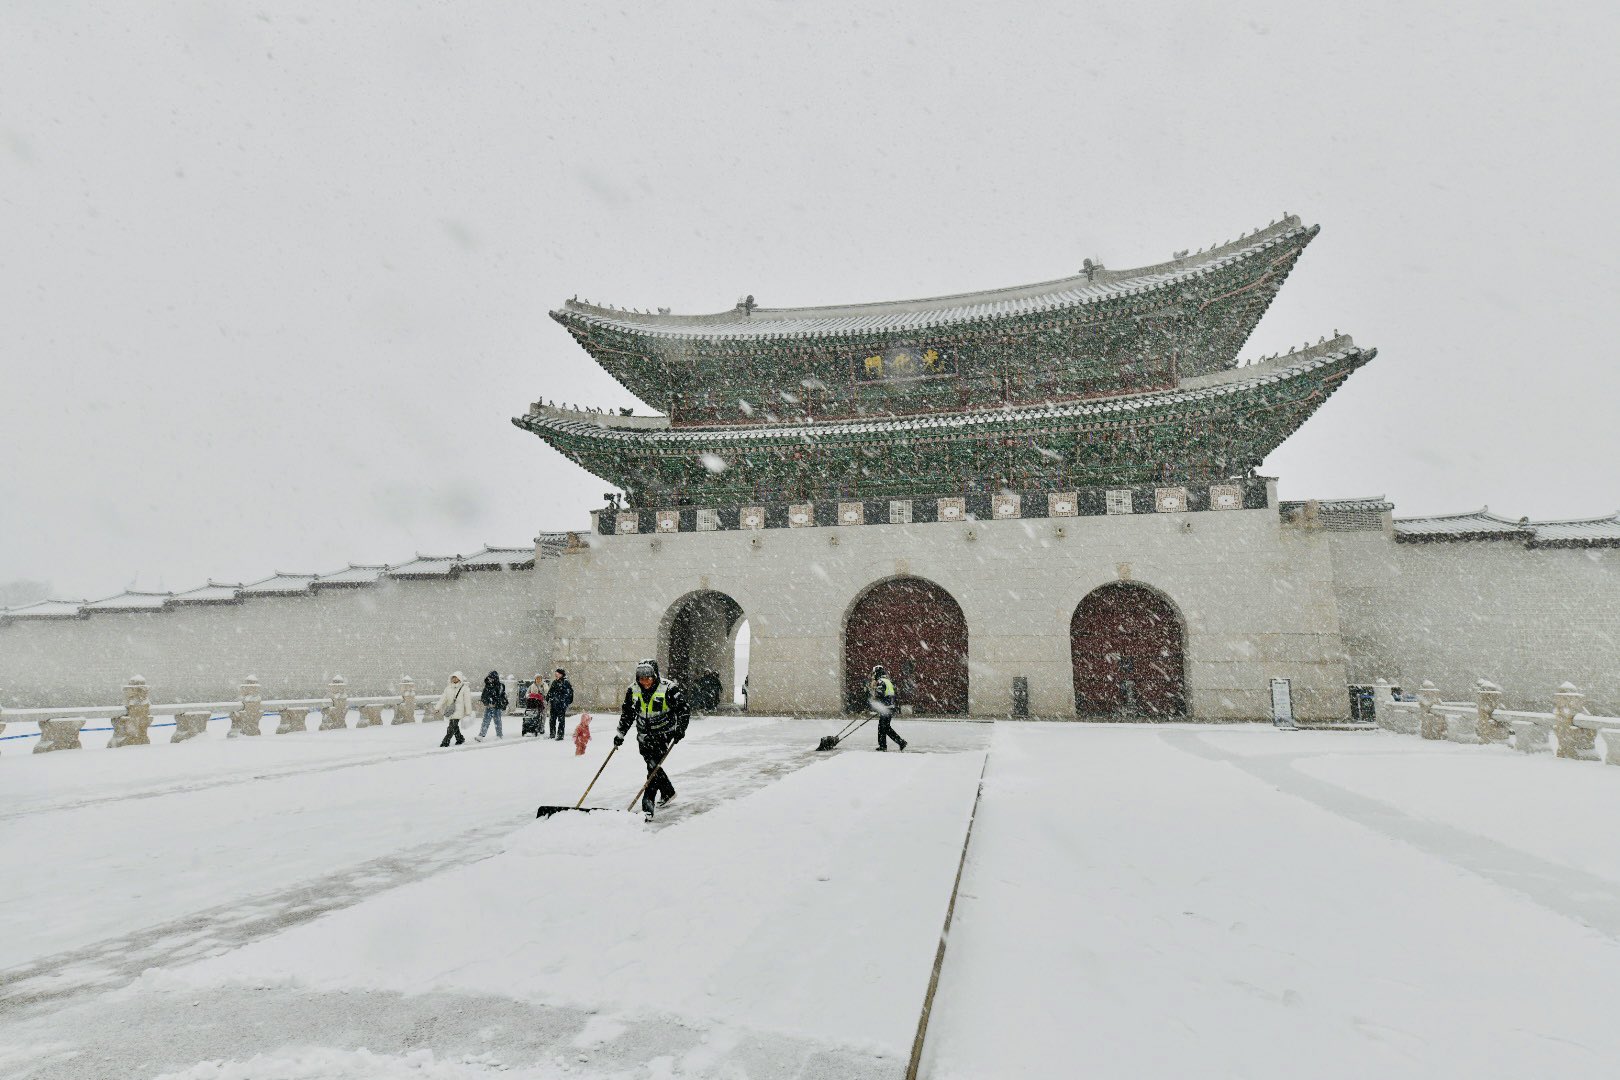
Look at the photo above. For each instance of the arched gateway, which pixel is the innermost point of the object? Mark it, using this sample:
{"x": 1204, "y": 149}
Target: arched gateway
{"x": 696, "y": 636}
{"x": 916, "y": 630}
{"x": 1127, "y": 647}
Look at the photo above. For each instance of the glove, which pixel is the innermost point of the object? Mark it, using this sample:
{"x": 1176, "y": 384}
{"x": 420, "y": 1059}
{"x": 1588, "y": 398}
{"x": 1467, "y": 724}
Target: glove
{"x": 618, "y": 740}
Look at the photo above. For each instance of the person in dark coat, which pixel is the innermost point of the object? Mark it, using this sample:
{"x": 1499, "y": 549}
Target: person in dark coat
{"x": 559, "y": 696}
{"x": 881, "y": 697}
{"x": 709, "y": 689}
{"x": 494, "y": 700}
{"x": 658, "y": 709}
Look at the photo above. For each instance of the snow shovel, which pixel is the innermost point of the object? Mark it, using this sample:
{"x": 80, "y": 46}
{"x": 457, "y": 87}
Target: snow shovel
{"x": 547, "y": 811}
{"x": 829, "y": 742}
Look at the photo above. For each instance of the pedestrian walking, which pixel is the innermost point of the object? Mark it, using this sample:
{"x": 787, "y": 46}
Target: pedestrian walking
{"x": 880, "y": 696}
{"x": 558, "y": 697}
{"x": 453, "y": 706}
{"x": 493, "y": 698}
{"x": 658, "y": 709}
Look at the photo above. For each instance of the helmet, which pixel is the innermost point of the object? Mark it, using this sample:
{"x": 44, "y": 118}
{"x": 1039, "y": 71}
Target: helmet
{"x": 878, "y": 672}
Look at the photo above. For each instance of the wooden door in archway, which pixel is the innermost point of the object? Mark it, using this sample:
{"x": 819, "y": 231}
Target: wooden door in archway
{"x": 1129, "y": 660}
{"x": 917, "y": 631}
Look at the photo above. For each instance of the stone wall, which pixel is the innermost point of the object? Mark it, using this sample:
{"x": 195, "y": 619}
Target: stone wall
{"x": 372, "y": 635}
{"x": 1255, "y": 596}
{"x": 1453, "y": 612}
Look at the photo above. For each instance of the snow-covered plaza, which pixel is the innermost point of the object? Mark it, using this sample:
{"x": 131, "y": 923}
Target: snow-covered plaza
{"x": 1187, "y": 900}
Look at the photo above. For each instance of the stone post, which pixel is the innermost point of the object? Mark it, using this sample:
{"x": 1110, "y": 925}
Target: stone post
{"x": 293, "y": 719}
{"x": 336, "y": 713}
{"x": 1488, "y": 728}
{"x": 405, "y": 711}
{"x": 370, "y": 716}
{"x": 130, "y": 729}
{"x": 1573, "y": 742}
{"x": 245, "y": 721}
{"x": 1431, "y": 724}
{"x": 189, "y": 725}
{"x": 1383, "y": 695}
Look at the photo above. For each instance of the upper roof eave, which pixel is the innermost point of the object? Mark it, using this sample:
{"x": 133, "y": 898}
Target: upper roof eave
{"x": 919, "y": 314}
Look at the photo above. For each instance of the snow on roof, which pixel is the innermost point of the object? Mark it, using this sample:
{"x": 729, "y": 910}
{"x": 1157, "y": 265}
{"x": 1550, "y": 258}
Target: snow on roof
{"x": 1475, "y": 524}
{"x": 130, "y": 601}
{"x": 212, "y": 593}
{"x": 1375, "y": 503}
{"x": 279, "y": 584}
{"x": 46, "y": 609}
{"x": 493, "y": 557}
{"x": 1481, "y": 524}
{"x": 427, "y": 566}
{"x": 1583, "y": 532}
{"x": 353, "y": 574}
{"x": 902, "y": 315}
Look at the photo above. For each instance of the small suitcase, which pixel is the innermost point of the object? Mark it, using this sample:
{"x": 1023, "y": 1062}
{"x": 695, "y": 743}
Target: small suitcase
{"x": 533, "y": 723}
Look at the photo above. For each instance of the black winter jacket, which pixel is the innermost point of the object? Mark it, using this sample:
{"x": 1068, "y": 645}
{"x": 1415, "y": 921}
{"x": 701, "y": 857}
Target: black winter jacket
{"x": 494, "y": 695}
{"x": 657, "y": 727}
{"x": 560, "y": 695}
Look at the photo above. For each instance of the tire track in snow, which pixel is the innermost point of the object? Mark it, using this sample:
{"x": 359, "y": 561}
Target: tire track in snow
{"x": 1575, "y": 894}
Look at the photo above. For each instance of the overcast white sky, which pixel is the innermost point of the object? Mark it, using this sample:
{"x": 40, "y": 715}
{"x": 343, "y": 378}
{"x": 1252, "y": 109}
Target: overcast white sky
{"x": 275, "y": 276}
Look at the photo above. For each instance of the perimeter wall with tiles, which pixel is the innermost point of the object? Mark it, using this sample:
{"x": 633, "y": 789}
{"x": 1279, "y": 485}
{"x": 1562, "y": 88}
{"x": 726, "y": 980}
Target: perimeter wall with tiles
{"x": 476, "y": 621}
{"x": 1453, "y": 612}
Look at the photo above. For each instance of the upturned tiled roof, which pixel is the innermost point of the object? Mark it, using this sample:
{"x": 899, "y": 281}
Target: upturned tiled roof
{"x": 906, "y": 315}
{"x": 130, "y": 601}
{"x": 1481, "y": 524}
{"x": 283, "y": 584}
{"x": 211, "y": 593}
{"x": 279, "y": 584}
{"x": 47, "y": 609}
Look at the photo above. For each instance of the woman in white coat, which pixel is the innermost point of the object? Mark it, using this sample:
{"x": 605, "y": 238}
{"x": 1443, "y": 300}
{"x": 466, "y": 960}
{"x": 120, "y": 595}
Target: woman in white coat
{"x": 453, "y": 703}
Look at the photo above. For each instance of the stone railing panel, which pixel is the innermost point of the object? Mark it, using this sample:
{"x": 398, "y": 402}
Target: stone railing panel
{"x": 58, "y": 735}
{"x": 189, "y": 725}
{"x": 1529, "y": 737}
{"x": 370, "y": 716}
{"x": 294, "y": 718}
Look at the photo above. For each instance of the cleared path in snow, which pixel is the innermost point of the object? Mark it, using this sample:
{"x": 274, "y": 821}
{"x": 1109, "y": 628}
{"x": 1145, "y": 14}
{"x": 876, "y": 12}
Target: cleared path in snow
{"x": 186, "y": 867}
{"x": 1188, "y": 902}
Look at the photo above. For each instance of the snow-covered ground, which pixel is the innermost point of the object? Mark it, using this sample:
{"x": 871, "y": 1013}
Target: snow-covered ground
{"x": 1136, "y": 901}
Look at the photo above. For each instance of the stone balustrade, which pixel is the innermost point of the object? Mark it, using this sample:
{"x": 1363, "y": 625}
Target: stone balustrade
{"x": 189, "y": 725}
{"x": 293, "y": 719}
{"x": 1565, "y": 731}
{"x": 60, "y": 728}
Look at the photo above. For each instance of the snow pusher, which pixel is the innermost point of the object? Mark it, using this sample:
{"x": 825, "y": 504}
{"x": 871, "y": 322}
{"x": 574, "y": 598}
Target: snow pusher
{"x": 547, "y": 811}
{"x": 829, "y": 742}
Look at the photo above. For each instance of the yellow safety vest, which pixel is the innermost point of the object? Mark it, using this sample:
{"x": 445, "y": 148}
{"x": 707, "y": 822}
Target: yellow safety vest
{"x": 885, "y": 688}
{"x": 654, "y": 706}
